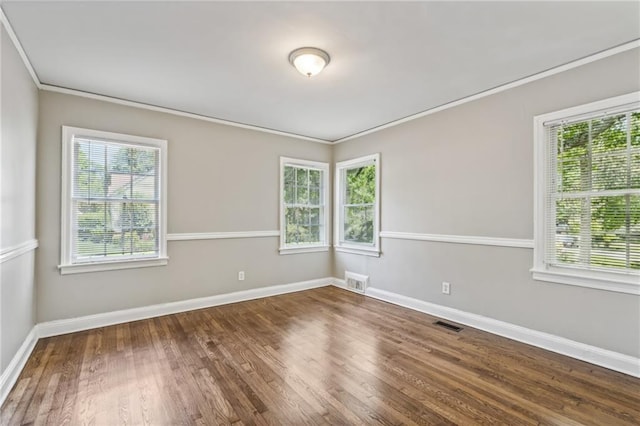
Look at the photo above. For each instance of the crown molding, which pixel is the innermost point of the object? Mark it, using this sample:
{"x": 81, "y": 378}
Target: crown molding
{"x": 18, "y": 46}
{"x": 134, "y": 104}
{"x": 516, "y": 83}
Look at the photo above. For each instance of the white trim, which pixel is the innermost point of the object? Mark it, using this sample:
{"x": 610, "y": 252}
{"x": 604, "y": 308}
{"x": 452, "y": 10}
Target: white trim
{"x": 619, "y": 283}
{"x": 520, "y": 82}
{"x": 18, "y": 46}
{"x": 302, "y": 249}
{"x": 356, "y": 250}
{"x": 71, "y": 325}
{"x": 188, "y": 236}
{"x": 609, "y": 359}
{"x": 339, "y": 282}
{"x": 10, "y": 374}
{"x": 323, "y": 167}
{"x": 165, "y": 110}
{"x": 81, "y": 268}
{"x": 461, "y": 239}
{"x": 338, "y": 188}
{"x": 18, "y": 250}
{"x": 611, "y": 281}
{"x": 66, "y": 265}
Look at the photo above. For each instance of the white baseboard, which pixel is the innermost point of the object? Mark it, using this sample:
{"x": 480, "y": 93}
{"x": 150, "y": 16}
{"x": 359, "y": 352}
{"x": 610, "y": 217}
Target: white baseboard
{"x": 592, "y": 354}
{"x": 55, "y": 328}
{"x": 13, "y": 370}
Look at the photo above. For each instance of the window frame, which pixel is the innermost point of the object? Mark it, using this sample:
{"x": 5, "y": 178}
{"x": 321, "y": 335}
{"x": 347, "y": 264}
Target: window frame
{"x": 616, "y": 281}
{"x": 67, "y": 265}
{"x": 326, "y": 211}
{"x": 350, "y": 247}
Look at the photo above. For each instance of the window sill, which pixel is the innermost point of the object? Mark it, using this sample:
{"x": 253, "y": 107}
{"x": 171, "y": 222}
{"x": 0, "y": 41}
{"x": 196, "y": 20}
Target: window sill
{"x": 80, "y": 268}
{"x": 374, "y": 252}
{"x": 619, "y": 283}
{"x": 297, "y": 250}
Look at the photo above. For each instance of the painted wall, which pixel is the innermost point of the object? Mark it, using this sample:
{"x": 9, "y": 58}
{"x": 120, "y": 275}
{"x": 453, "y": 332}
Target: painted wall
{"x": 469, "y": 171}
{"x": 19, "y": 119}
{"x": 220, "y": 179}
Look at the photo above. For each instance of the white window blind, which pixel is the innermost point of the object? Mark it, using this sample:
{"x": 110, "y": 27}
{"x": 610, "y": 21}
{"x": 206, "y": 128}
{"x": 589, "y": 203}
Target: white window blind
{"x": 304, "y": 208}
{"x": 113, "y": 199}
{"x": 593, "y": 192}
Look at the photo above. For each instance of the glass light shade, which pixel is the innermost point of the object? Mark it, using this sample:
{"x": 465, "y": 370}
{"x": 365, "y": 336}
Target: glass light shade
{"x": 309, "y": 61}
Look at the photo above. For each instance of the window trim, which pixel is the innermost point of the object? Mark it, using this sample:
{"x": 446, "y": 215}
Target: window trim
{"x": 66, "y": 265}
{"x": 347, "y": 247}
{"x": 312, "y": 247}
{"x": 621, "y": 282}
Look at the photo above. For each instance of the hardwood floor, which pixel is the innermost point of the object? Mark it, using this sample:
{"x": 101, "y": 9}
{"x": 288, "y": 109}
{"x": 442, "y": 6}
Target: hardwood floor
{"x": 323, "y": 356}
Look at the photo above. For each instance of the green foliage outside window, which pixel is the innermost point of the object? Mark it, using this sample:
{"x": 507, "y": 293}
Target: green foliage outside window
{"x": 359, "y": 204}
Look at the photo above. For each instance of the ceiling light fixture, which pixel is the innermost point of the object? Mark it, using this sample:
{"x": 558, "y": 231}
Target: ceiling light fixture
{"x": 309, "y": 61}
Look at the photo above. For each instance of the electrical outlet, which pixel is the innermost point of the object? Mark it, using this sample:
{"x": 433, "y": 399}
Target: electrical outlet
{"x": 446, "y": 287}
{"x": 241, "y": 276}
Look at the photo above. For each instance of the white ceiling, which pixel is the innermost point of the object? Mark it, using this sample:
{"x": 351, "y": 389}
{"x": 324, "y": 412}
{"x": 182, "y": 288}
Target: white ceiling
{"x": 228, "y": 60}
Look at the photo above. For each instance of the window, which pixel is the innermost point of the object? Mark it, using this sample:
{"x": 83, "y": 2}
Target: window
{"x": 304, "y": 207}
{"x": 113, "y": 201}
{"x": 357, "y": 205}
{"x": 587, "y": 228}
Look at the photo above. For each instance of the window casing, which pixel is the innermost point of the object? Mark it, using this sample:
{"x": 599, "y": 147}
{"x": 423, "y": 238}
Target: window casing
{"x": 357, "y": 213}
{"x": 587, "y": 195}
{"x": 113, "y": 201}
{"x": 304, "y": 206}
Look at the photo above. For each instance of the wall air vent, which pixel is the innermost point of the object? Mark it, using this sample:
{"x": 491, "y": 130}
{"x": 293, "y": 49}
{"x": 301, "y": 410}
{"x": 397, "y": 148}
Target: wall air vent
{"x": 356, "y": 282}
{"x": 448, "y": 326}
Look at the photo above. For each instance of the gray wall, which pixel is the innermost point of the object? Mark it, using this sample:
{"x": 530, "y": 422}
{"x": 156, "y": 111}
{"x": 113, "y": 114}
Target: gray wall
{"x": 469, "y": 171}
{"x": 221, "y": 179}
{"x": 19, "y": 110}
{"x": 464, "y": 171}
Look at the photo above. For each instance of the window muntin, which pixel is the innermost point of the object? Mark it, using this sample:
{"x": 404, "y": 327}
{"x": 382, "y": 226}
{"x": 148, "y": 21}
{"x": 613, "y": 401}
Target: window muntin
{"x": 113, "y": 199}
{"x": 357, "y": 209}
{"x": 588, "y": 195}
{"x": 304, "y": 205}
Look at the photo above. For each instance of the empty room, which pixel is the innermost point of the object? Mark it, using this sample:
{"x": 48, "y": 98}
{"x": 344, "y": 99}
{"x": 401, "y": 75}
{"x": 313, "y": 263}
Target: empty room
{"x": 337, "y": 213}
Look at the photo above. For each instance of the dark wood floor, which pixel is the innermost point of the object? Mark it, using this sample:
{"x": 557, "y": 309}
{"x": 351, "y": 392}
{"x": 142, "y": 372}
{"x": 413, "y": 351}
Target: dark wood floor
{"x": 324, "y": 356}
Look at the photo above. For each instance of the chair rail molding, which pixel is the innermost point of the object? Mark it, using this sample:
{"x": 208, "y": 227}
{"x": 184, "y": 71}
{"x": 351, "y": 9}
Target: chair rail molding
{"x": 18, "y": 250}
{"x": 461, "y": 239}
{"x": 187, "y": 236}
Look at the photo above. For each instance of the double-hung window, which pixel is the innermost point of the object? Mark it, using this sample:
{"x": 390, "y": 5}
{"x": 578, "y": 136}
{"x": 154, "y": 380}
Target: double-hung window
{"x": 113, "y": 201}
{"x": 357, "y": 214}
{"x": 587, "y": 228}
{"x": 304, "y": 206}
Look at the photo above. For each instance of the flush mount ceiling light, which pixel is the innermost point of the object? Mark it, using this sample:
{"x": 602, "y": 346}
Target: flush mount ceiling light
{"x": 309, "y": 61}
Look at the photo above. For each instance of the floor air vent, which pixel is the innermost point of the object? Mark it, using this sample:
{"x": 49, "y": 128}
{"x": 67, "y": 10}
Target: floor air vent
{"x": 356, "y": 282}
{"x": 448, "y": 326}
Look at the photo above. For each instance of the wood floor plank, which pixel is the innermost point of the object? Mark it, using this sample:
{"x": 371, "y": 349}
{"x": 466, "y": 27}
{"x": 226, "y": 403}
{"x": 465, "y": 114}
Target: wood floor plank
{"x": 319, "y": 357}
